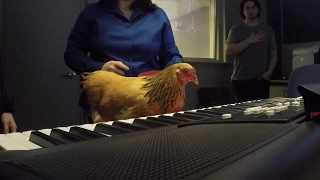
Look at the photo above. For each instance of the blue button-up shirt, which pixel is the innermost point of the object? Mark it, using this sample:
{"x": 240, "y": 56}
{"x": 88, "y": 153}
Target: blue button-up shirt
{"x": 144, "y": 42}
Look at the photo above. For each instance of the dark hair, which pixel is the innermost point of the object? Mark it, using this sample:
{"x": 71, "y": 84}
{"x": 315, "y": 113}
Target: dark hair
{"x": 145, "y": 5}
{"x": 256, "y": 2}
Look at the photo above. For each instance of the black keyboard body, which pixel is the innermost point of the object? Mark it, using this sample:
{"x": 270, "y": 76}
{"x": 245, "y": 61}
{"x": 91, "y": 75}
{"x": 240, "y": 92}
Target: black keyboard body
{"x": 194, "y": 145}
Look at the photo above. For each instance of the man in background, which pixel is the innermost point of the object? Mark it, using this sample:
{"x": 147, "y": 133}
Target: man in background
{"x": 253, "y": 45}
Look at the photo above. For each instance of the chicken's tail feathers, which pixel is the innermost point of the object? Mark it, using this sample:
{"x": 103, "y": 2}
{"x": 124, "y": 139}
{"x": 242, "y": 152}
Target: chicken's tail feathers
{"x": 83, "y": 77}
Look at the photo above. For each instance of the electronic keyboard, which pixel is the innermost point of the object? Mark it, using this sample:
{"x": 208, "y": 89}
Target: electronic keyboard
{"x": 260, "y": 139}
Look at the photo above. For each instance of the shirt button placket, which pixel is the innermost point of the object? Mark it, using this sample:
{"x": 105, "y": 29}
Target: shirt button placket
{"x": 131, "y": 45}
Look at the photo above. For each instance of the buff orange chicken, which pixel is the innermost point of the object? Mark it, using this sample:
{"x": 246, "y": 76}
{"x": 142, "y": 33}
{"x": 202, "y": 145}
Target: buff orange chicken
{"x": 114, "y": 97}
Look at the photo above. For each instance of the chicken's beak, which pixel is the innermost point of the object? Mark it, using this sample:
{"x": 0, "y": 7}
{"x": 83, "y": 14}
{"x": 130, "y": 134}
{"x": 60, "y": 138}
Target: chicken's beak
{"x": 195, "y": 80}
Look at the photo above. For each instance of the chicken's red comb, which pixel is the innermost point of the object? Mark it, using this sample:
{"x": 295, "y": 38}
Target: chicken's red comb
{"x": 149, "y": 73}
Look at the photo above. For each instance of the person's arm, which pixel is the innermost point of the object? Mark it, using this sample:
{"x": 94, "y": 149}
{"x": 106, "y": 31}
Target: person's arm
{"x": 169, "y": 53}
{"x": 7, "y": 100}
{"x": 273, "y": 58}
{"x": 76, "y": 54}
{"x": 7, "y": 106}
{"x": 272, "y": 64}
{"x": 233, "y": 47}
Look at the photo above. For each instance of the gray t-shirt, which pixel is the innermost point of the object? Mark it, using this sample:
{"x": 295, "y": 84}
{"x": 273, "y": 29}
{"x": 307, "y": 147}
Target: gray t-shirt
{"x": 252, "y": 62}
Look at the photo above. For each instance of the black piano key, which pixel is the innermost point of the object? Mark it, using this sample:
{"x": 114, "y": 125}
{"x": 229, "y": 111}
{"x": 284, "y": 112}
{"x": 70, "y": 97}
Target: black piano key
{"x": 175, "y": 118}
{"x": 200, "y": 113}
{"x": 150, "y": 124}
{"x": 190, "y": 116}
{"x": 110, "y": 129}
{"x": 169, "y": 121}
{"x": 182, "y": 119}
{"x": 242, "y": 108}
{"x": 234, "y": 113}
{"x": 249, "y": 105}
{"x": 133, "y": 127}
{"x": 211, "y": 112}
{"x": 65, "y": 136}
{"x": 234, "y": 108}
{"x": 231, "y": 109}
{"x": 84, "y": 133}
{"x": 44, "y": 140}
{"x": 203, "y": 114}
{"x": 257, "y": 104}
{"x": 223, "y": 111}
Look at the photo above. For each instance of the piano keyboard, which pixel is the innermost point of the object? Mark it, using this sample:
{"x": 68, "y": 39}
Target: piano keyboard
{"x": 276, "y": 110}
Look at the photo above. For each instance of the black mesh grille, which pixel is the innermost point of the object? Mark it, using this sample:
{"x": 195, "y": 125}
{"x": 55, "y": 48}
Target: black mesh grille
{"x": 182, "y": 153}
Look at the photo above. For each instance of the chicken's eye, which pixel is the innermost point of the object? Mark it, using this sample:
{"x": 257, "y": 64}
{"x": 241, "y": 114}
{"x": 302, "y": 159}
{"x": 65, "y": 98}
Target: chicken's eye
{"x": 185, "y": 71}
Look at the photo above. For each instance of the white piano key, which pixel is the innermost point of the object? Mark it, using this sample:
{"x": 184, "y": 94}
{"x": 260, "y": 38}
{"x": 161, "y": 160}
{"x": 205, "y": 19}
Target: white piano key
{"x": 23, "y": 139}
{"x": 295, "y": 103}
{"x": 247, "y": 112}
{"x": 108, "y": 122}
{"x": 193, "y": 110}
{"x": 27, "y": 133}
{"x": 10, "y": 144}
{"x": 168, "y": 114}
{"x": 67, "y": 129}
{"x": 226, "y": 116}
{"x": 145, "y": 117}
{"x": 270, "y": 112}
{"x": 130, "y": 121}
{"x": 46, "y": 131}
{"x": 89, "y": 127}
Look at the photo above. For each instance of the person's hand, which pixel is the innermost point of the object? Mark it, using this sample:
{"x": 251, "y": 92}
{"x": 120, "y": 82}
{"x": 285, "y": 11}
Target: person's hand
{"x": 115, "y": 66}
{"x": 8, "y": 123}
{"x": 266, "y": 76}
{"x": 255, "y": 38}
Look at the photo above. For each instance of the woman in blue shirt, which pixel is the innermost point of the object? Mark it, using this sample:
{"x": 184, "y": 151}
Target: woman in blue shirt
{"x": 127, "y": 37}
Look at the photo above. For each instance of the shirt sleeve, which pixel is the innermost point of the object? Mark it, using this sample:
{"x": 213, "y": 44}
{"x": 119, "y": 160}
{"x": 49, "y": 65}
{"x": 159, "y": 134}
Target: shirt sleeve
{"x": 76, "y": 54}
{"x": 272, "y": 43}
{"x": 169, "y": 53}
{"x": 6, "y": 100}
{"x": 232, "y": 38}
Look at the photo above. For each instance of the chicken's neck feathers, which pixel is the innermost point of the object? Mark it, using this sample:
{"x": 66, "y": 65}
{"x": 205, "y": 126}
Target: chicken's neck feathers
{"x": 164, "y": 88}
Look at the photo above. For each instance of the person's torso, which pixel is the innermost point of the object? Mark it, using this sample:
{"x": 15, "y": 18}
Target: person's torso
{"x": 252, "y": 62}
{"x": 135, "y": 42}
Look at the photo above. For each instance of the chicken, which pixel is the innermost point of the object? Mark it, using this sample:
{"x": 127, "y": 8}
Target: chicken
{"x": 114, "y": 97}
